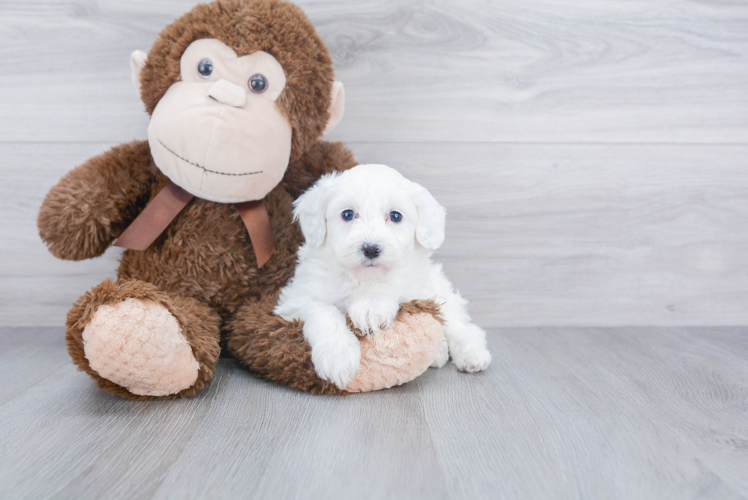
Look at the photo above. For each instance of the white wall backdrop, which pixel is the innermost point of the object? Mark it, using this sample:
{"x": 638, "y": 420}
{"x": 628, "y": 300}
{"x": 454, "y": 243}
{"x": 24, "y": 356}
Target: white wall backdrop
{"x": 593, "y": 156}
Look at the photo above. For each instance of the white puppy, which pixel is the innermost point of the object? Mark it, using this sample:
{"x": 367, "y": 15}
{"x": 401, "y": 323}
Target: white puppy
{"x": 369, "y": 237}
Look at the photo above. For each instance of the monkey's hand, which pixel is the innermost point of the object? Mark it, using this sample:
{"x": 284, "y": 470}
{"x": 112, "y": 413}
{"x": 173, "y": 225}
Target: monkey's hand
{"x": 93, "y": 203}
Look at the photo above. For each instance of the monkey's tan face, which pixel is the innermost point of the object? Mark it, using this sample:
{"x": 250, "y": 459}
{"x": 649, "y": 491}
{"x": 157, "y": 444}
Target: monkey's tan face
{"x": 218, "y": 133}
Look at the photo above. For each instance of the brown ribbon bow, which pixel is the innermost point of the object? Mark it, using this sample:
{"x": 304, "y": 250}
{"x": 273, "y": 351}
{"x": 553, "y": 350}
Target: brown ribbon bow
{"x": 167, "y": 204}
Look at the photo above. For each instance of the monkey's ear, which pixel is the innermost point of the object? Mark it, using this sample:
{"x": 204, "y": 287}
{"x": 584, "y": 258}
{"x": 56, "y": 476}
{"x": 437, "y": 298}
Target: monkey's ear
{"x": 137, "y": 61}
{"x": 337, "y": 106}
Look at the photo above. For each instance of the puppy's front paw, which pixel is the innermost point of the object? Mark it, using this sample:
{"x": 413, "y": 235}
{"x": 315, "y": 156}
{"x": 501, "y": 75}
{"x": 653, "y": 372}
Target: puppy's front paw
{"x": 373, "y": 314}
{"x": 337, "y": 359}
{"x": 472, "y": 359}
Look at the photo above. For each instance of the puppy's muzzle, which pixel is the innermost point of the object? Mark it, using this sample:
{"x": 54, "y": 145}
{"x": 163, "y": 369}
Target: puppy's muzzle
{"x": 371, "y": 251}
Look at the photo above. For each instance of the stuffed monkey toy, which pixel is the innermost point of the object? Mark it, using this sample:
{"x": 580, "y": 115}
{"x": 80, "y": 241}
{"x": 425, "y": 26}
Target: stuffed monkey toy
{"x": 239, "y": 93}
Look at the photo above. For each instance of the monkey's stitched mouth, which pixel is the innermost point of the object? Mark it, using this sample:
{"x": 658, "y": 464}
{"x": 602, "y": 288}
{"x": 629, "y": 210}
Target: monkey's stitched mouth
{"x": 203, "y": 168}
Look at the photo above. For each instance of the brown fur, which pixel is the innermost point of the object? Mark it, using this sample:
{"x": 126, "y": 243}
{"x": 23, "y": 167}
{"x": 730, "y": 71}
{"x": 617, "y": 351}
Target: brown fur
{"x": 203, "y": 268}
{"x": 274, "y": 348}
{"x": 94, "y": 203}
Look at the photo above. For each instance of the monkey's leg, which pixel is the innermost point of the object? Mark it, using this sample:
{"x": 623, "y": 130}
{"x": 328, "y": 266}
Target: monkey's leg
{"x": 275, "y": 349}
{"x": 142, "y": 343}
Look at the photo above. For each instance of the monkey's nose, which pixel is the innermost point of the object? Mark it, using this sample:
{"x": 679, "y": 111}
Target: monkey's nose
{"x": 229, "y": 93}
{"x": 371, "y": 251}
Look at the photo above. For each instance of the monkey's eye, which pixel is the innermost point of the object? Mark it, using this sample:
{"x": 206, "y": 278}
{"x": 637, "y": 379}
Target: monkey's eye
{"x": 348, "y": 214}
{"x": 258, "y": 83}
{"x": 396, "y": 216}
{"x": 205, "y": 68}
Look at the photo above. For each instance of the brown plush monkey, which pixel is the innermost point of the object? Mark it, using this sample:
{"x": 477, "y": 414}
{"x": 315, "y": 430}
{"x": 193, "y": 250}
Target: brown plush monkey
{"x": 239, "y": 93}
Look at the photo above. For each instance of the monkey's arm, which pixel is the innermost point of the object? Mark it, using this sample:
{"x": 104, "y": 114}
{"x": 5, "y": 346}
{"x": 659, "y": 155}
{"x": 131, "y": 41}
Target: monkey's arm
{"x": 93, "y": 203}
{"x": 322, "y": 158}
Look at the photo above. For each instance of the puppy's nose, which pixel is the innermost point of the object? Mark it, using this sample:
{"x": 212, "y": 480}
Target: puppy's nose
{"x": 371, "y": 251}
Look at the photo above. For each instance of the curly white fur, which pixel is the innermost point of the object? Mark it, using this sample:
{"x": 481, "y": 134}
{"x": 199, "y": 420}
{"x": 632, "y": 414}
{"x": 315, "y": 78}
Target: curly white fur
{"x": 334, "y": 277}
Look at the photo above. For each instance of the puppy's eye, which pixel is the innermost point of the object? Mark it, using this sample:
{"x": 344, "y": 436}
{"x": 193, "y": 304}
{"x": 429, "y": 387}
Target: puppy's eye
{"x": 348, "y": 214}
{"x": 205, "y": 68}
{"x": 258, "y": 84}
{"x": 396, "y": 216}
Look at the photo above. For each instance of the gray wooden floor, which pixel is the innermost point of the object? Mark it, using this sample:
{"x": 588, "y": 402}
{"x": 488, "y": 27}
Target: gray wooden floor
{"x": 593, "y": 157}
{"x": 629, "y": 413}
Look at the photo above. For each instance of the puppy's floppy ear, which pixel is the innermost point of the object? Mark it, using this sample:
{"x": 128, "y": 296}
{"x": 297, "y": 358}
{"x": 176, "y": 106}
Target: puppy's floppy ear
{"x": 310, "y": 207}
{"x": 431, "y": 219}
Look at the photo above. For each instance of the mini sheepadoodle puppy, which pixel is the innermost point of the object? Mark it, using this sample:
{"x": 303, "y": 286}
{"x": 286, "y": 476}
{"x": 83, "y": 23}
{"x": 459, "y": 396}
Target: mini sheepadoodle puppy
{"x": 370, "y": 234}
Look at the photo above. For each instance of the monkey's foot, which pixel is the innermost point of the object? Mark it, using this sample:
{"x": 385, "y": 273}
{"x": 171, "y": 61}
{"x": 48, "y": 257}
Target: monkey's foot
{"x": 442, "y": 356}
{"x": 139, "y": 345}
{"x": 401, "y": 352}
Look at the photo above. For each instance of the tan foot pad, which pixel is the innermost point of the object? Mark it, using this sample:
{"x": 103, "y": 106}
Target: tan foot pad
{"x": 398, "y": 354}
{"x": 139, "y": 345}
